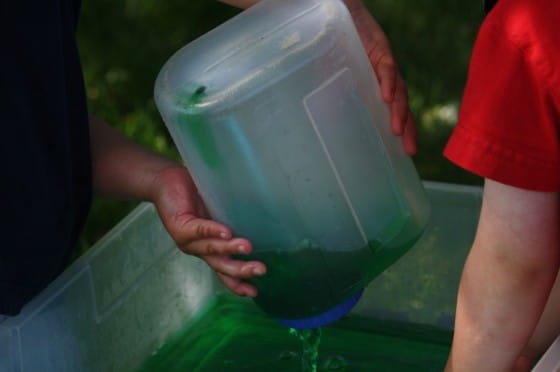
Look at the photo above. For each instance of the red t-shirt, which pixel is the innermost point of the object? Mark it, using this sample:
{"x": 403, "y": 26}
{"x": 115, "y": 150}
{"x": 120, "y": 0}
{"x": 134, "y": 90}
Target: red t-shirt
{"x": 509, "y": 121}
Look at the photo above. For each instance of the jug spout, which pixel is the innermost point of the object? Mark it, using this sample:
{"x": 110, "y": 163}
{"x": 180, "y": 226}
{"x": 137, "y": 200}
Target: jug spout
{"x": 325, "y": 318}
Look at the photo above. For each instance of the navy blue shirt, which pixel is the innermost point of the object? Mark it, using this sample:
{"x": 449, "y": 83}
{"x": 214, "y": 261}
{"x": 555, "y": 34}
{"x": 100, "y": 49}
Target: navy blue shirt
{"x": 44, "y": 146}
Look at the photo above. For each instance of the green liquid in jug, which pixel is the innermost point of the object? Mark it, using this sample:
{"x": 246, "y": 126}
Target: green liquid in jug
{"x": 308, "y": 281}
{"x": 232, "y": 334}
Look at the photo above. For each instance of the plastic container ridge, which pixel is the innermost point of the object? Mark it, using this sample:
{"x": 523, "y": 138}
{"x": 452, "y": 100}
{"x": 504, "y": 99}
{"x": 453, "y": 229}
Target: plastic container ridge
{"x": 278, "y": 116}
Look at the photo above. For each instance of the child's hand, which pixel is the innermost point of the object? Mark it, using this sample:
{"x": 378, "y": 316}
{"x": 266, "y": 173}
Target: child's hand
{"x": 186, "y": 219}
{"x": 393, "y": 89}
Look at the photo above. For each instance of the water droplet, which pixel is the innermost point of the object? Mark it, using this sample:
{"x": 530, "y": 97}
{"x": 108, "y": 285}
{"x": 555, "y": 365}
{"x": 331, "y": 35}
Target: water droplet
{"x": 310, "y": 339}
{"x": 288, "y": 355}
{"x": 336, "y": 363}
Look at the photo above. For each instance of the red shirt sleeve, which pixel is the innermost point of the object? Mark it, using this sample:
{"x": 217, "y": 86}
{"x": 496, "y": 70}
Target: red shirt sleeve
{"x": 508, "y": 128}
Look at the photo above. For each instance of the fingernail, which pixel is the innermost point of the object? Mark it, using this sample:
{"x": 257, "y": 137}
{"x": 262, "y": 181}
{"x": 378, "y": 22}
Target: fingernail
{"x": 242, "y": 249}
{"x": 223, "y": 235}
{"x": 258, "y": 270}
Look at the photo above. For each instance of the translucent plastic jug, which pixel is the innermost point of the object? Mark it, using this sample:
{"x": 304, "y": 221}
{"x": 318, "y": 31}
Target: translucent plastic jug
{"x": 278, "y": 115}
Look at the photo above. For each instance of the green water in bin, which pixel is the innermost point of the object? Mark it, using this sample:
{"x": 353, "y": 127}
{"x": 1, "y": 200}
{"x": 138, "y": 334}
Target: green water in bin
{"x": 232, "y": 335}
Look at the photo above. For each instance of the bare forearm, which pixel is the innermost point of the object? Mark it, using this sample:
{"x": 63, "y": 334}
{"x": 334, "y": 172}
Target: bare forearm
{"x": 498, "y": 307}
{"x": 122, "y": 168}
{"x": 548, "y": 328}
{"x": 507, "y": 278}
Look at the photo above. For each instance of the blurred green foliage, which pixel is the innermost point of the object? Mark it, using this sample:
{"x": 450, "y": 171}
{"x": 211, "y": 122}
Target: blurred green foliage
{"x": 123, "y": 44}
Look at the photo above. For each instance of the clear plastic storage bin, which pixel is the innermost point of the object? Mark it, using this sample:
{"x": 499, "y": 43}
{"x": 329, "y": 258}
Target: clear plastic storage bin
{"x": 135, "y": 290}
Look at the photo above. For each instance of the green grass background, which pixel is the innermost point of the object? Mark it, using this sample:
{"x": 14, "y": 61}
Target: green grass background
{"x": 123, "y": 45}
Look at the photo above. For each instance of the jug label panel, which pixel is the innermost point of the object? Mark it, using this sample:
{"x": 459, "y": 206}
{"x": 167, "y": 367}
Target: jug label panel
{"x": 356, "y": 155}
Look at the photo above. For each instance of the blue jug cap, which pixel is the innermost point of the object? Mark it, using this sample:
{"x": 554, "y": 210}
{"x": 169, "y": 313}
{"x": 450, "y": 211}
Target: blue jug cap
{"x": 329, "y": 316}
